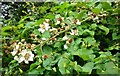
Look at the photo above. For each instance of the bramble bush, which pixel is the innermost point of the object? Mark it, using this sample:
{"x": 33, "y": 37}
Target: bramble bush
{"x": 61, "y": 38}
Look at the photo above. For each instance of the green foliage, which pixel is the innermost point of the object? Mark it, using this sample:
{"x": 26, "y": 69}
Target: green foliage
{"x": 83, "y": 38}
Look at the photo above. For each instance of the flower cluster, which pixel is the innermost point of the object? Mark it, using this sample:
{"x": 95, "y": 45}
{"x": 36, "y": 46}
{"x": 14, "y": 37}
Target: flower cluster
{"x": 68, "y": 41}
{"x": 45, "y": 26}
{"x": 62, "y": 25}
{"x": 23, "y": 51}
{"x": 97, "y": 17}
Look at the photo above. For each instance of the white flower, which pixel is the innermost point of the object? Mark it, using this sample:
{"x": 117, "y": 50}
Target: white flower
{"x": 43, "y": 38}
{"x": 65, "y": 38}
{"x": 96, "y": 18}
{"x": 46, "y": 25}
{"x": 78, "y": 22}
{"x": 58, "y": 22}
{"x": 26, "y": 56}
{"x": 74, "y": 32}
{"x": 65, "y": 46}
{"x": 53, "y": 29}
{"x": 41, "y": 30}
{"x": 43, "y": 27}
{"x": 32, "y": 46}
{"x": 19, "y": 59}
{"x": 14, "y": 52}
{"x": 17, "y": 47}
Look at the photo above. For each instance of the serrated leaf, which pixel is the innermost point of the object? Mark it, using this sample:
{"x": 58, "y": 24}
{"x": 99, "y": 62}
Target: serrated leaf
{"x": 96, "y": 10}
{"x": 90, "y": 40}
{"x": 50, "y": 16}
{"x": 62, "y": 64}
{"x": 38, "y": 51}
{"x": 89, "y": 32}
{"x": 29, "y": 24}
{"x": 57, "y": 44}
{"x": 34, "y": 65}
{"x": 106, "y": 5}
{"x": 78, "y": 41}
{"x": 93, "y": 26}
{"x": 47, "y": 50}
{"x": 36, "y": 32}
{"x": 82, "y": 15}
{"x": 40, "y": 21}
{"x": 46, "y": 34}
{"x": 88, "y": 67}
{"x": 46, "y": 63}
{"x": 34, "y": 71}
{"x": 77, "y": 67}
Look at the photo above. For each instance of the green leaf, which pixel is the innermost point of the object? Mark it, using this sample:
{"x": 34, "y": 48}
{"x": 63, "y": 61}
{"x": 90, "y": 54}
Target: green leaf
{"x": 77, "y": 67}
{"x": 85, "y": 53}
{"x": 50, "y": 16}
{"x": 46, "y": 63}
{"x": 34, "y": 71}
{"x": 82, "y": 15}
{"x": 106, "y": 5}
{"x": 5, "y": 28}
{"x": 21, "y": 26}
{"x": 58, "y": 44}
{"x": 114, "y": 36}
{"x": 38, "y": 51}
{"x": 80, "y": 30}
{"x": 29, "y": 24}
{"x": 36, "y": 32}
{"x": 104, "y": 29}
{"x": 78, "y": 41}
{"x": 34, "y": 65}
{"x": 110, "y": 68}
{"x": 93, "y": 26}
{"x": 96, "y": 10}
{"x": 62, "y": 64}
{"x": 89, "y": 32}
{"x": 46, "y": 34}
{"x": 88, "y": 67}
{"x": 25, "y": 32}
{"x": 47, "y": 50}
{"x": 40, "y": 21}
{"x": 90, "y": 40}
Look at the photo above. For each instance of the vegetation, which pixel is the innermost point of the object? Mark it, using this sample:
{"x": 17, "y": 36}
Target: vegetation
{"x": 61, "y": 38}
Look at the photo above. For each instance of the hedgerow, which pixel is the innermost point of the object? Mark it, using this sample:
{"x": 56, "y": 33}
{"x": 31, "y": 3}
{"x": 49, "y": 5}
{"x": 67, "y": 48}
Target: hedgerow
{"x": 61, "y": 38}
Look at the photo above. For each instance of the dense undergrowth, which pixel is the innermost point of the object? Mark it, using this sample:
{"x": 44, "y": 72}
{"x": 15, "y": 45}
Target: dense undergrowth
{"x": 61, "y": 38}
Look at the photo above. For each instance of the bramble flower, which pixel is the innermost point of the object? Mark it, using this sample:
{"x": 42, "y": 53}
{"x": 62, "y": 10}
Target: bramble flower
{"x": 22, "y": 52}
{"x": 19, "y": 59}
{"x": 53, "y": 29}
{"x": 96, "y": 18}
{"x": 43, "y": 27}
{"x": 74, "y": 32}
{"x": 26, "y": 56}
{"x": 65, "y": 38}
{"x": 78, "y": 22}
{"x": 65, "y": 46}
{"x": 33, "y": 46}
{"x": 14, "y": 52}
{"x": 59, "y": 20}
{"x": 43, "y": 38}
